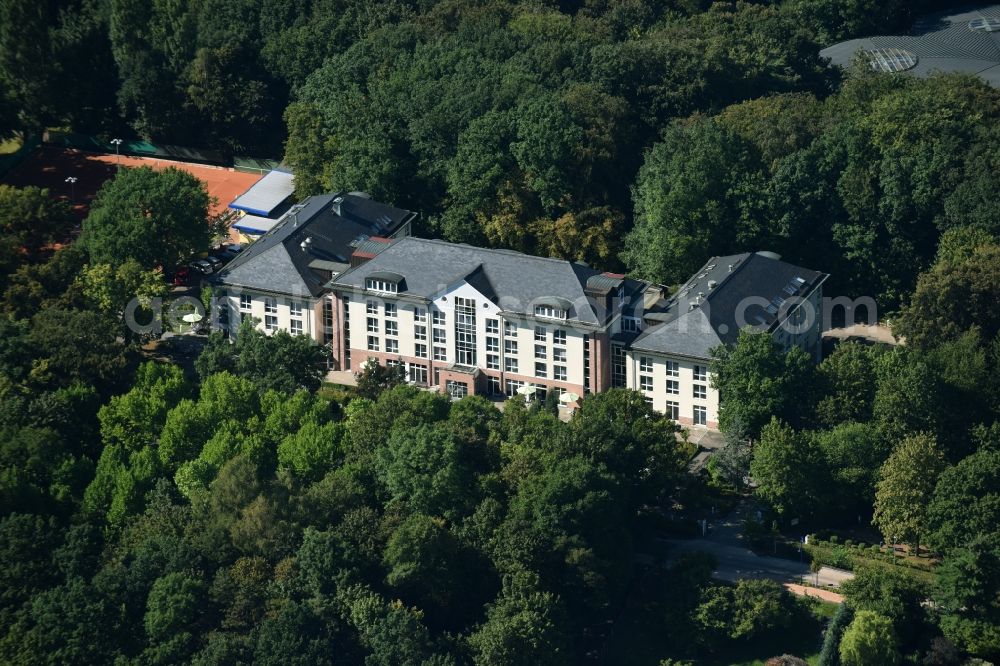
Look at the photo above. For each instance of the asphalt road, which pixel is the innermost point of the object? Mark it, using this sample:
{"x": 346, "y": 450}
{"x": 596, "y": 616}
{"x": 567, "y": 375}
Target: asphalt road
{"x": 736, "y": 562}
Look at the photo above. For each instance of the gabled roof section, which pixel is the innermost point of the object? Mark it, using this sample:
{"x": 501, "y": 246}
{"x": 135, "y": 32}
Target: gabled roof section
{"x": 296, "y": 256}
{"x": 690, "y": 334}
{"x": 729, "y": 292}
{"x": 515, "y": 282}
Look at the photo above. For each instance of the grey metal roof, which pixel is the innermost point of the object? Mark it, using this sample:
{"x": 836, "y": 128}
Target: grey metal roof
{"x": 712, "y": 306}
{"x": 267, "y": 194}
{"x": 254, "y": 224}
{"x": 515, "y": 282}
{"x": 327, "y": 225}
{"x": 944, "y": 42}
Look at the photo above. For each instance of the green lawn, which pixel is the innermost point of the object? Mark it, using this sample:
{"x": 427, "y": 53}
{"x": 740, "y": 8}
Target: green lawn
{"x": 8, "y": 146}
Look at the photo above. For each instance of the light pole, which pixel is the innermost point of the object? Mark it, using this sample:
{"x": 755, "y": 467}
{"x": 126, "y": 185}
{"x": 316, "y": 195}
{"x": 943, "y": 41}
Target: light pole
{"x": 117, "y": 143}
{"x": 72, "y": 188}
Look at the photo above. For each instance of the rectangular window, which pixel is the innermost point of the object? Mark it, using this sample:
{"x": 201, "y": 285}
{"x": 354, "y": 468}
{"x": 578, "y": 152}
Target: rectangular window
{"x": 372, "y": 343}
{"x": 510, "y": 364}
{"x": 371, "y": 307}
{"x": 510, "y": 347}
{"x": 420, "y": 351}
{"x": 465, "y": 331}
{"x": 419, "y": 332}
{"x": 372, "y": 325}
{"x": 347, "y": 309}
{"x": 673, "y": 410}
{"x": 618, "y": 374}
{"x": 438, "y": 318}
{"x": 245, "y": 301}
{"x": 700, "y": 373}
{"x": 492, "y": 344}
{"x": 418, "y": 374}
{"x": 493, "y": 326}
{"x": 390, "y": 310}
{"x": 559, "y": 337}
{"x": 559, "y": 355}
{"x": 559, "y": 372}
{"x": 270, "y": 306}
{"x": 492, "y": 362}
{"x": 645, "y": 364}
{"x": 493, "y": 386}
{"x": 440, "y": 354}
{"x": 510, "y": 329}
{"x": 700, "y": 391}
{"x": 270, "y": 322}
{"x": 294, "y": 309}
{"x": 541, "y": 335}
{"x": 512, "y": 387}
{"x": 631, "y": 324}
{"x": 540, "y": 351}
{"x": 296, "y": 327}
{"x": 673, "y": 387}
{"x": 645, "y": 383}
{"x": 391, "y": 328}
{"x": 328, "y": 323}
{"x": 419, "y": 315}
{"x": 393, "y": 363}
{"x": 673, "y": 369}
{"x": 541, "y": 370}
{"x": 700, "y": 415}
{"x": 392, "y": 345}
{"x": 439, "y": 336}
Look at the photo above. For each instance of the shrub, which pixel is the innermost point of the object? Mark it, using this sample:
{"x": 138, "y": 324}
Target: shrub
{"x": 829, "y": 655}
{"x": 834, "y": 539}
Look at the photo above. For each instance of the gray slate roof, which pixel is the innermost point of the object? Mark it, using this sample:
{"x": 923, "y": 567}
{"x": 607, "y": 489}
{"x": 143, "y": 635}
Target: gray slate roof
{"x": 941, "y": 42}
{"x": 676, "y": 328}
{"x": 277, "y": 262}
{"x": 515, "y": 282}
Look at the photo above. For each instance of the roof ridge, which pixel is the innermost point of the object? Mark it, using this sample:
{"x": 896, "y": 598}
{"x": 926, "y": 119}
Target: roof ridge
{"x": 497, "y": 250}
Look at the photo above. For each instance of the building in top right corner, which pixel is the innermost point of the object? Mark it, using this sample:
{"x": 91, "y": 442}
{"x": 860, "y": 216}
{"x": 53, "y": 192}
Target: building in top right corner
{"x": 667, "y": 359}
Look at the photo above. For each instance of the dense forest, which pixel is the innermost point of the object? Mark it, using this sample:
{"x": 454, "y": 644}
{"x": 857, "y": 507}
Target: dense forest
{"x": 237, "y": 511}
{"x": 637, "y": 135}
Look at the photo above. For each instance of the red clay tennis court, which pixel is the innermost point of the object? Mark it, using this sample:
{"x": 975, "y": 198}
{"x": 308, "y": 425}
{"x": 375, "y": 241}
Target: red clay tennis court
{"x": 49, "y": 166}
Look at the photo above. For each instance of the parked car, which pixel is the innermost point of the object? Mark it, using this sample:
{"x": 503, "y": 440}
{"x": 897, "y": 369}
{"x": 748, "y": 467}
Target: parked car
{"x": 181, "y": 276}
{"x": 202, "y": 266}
{"x": 232, "y": 251}
{"x": 215, "y": 262}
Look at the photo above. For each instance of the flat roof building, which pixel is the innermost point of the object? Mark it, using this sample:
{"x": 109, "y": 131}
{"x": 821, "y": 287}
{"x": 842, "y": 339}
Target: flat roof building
{"x": 956, "y": 41}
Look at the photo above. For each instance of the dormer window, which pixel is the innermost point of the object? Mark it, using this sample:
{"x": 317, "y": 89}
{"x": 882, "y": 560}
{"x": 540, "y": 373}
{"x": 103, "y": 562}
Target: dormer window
{"x": 381, "y": 286}
{"x": 550, "y": 312}
{"x": 631, "y": 324}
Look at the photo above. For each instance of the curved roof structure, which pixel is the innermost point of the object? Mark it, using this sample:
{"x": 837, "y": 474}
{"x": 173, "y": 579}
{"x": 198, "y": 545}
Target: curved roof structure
{"x": 957, "y": 41}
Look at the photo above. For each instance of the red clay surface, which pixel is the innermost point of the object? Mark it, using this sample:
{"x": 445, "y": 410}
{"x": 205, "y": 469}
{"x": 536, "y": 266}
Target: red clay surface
{"x": 49, "y": 166}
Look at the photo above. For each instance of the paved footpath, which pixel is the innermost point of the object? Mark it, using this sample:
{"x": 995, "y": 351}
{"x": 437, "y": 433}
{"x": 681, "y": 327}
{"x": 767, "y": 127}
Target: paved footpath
{"x": 735, "y": 561}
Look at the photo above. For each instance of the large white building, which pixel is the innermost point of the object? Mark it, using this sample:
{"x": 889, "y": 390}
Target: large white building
{"x": 343, "y": 270}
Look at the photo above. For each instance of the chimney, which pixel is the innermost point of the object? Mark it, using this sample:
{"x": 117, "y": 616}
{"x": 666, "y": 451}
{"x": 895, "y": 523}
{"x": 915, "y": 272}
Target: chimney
{"x": 712, "y": 284}
{"x": 730, "y": 268}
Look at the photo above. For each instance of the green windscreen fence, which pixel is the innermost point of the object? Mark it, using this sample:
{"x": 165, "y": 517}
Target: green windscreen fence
{"x": 165, "y": 151}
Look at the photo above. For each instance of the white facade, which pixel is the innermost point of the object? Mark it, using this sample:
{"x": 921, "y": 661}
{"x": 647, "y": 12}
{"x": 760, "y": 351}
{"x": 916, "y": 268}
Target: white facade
{"x": 678, "y": 387}
{"x": 273, "y": 312}
{"x": 502, "y": 344}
